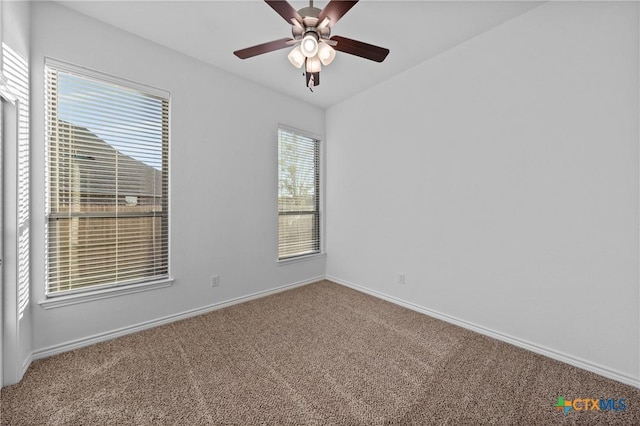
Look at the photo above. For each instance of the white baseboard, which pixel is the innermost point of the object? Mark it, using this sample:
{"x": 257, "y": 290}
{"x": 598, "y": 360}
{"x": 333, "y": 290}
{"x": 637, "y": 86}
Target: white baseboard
{"x": 550, "y": 353}
{"x": 109, "y": 335}
{"x": 25, "y": 365}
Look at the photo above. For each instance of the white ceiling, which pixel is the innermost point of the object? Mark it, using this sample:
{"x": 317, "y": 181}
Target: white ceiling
{"x": 210, "y": 31}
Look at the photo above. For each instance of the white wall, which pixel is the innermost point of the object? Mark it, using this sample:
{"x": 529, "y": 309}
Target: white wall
{"x": 223, "y": 211}
{"x": 502, "y": 178}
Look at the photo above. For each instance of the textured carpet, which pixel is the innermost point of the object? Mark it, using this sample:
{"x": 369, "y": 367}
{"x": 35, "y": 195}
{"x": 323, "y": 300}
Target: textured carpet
{"x": 319, "y": 354}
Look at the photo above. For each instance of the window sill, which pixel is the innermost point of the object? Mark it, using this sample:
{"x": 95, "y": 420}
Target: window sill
{"x": 90, "y": 296}
{"x": 302, "y": 258}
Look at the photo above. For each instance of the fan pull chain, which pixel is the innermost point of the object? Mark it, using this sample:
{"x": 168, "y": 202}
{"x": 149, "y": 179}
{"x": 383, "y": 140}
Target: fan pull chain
{"x": 311, "y": 82}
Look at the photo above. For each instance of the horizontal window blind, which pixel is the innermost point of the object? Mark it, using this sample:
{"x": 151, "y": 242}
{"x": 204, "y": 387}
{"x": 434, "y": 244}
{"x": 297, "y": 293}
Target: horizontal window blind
{"x": 107, "y": 182}
{"x": 298, "y": 194}
{"x": 16, "y": 69}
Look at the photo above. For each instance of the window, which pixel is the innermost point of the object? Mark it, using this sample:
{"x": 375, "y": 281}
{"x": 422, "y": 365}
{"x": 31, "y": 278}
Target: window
{"x": 298, "y": 194}
{"x": 16, "y": 69}
{"x": 107, "y": 181}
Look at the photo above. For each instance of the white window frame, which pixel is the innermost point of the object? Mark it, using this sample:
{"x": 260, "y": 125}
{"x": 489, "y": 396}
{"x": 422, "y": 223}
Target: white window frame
{"x": 321, "y": 192}
{"x": 70, "y": 297}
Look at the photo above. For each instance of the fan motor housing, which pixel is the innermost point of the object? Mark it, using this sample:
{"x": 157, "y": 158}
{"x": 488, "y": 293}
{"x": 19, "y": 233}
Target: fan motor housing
{"x": 311, "y": 12}
{"x": 309, "y": 23}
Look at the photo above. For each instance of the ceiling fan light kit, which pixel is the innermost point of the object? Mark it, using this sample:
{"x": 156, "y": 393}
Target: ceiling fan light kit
{"x": 311, "y": 30}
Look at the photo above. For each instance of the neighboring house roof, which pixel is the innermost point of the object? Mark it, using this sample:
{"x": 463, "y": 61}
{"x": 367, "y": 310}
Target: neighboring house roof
{"x": 100, "y": 169}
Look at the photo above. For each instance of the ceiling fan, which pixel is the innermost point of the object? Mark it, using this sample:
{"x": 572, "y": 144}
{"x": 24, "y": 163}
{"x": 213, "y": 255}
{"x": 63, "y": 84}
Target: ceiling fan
{"x": 311, "y": 29}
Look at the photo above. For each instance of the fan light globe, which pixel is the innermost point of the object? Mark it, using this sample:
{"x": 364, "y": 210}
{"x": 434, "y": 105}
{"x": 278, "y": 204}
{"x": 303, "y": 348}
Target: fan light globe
{"x": 313, "y": 65}
{"x": 326, "y": 53}
{"x": 309, "y": 45}
{"x": 296, "y": 57}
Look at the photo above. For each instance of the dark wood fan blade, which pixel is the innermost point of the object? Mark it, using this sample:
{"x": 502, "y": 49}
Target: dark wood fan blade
{"x": 358, "y": 48}
{"x": 335, "y": 10}
{"x": 284, "y": 9}
{"x": 263, "y": 48}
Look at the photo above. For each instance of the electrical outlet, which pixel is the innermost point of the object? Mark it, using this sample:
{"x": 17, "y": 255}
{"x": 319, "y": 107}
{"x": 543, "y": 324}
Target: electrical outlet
{"x": 215, "y": 280}
{"x": 401, "y": 278}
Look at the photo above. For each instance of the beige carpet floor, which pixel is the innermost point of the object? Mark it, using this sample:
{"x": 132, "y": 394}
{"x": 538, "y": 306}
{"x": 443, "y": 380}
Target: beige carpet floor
{"x": 321, "y": 354}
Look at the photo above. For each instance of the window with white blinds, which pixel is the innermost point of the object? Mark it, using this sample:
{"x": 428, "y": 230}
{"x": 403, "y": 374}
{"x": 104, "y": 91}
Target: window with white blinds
{"x": 16, "y": 69}
{"x": 107, "y": 181}
{"x": 298, "y": 194}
